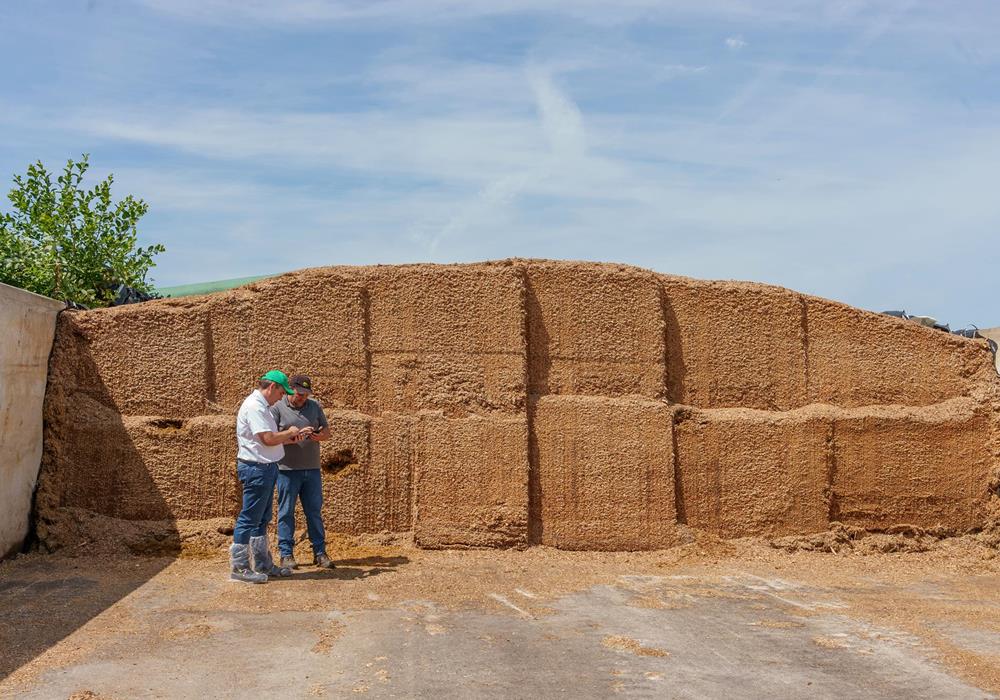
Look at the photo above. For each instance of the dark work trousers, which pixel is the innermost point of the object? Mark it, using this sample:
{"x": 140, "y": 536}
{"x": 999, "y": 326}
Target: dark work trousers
{"x": 305, "y": 485}
{"x": 258, "y": 494}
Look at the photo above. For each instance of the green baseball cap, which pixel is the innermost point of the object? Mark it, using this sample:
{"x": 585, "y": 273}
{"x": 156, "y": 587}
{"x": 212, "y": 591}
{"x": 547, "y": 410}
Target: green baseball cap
{"x": 278, "y": 377}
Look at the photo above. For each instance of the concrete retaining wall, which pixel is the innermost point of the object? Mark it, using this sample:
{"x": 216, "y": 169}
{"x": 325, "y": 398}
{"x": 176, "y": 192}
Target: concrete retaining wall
{"x": 27, "y": 325}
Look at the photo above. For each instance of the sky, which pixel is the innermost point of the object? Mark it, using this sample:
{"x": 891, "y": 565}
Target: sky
{"x": 847, "y": 149}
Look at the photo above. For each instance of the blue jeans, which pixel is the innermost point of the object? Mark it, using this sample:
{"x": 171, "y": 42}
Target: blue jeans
{"x": 305, "y": 485}
{"x": 258, "y": 494}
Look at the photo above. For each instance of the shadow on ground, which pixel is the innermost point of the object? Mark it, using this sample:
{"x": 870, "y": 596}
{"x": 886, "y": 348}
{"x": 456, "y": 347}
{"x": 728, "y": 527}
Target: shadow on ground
{"x": 96, "y": 501}
{"x": 38, "y": 610}
{"x": 348, "y": 569}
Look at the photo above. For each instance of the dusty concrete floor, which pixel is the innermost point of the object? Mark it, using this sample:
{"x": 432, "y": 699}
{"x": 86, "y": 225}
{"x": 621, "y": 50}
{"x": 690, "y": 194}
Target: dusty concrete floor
{"x": 704, "y": 620}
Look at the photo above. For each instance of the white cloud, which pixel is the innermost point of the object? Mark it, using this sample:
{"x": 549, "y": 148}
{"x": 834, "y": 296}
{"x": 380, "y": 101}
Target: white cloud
{"x": 430, "y": 84}
{"x": 826, "y": 226}
{"x": 597, "y": 12}
{"x": 423, "y": 11}
{"x": 951, "y": 28}
{"x": 679, "y": 70}
{"x": 450, "y": 147}
{"x": 811, "y": 136}
{"x": 606, "y": 146}
{"x": 561, "y": 118}
{"x": 562, "y": 124}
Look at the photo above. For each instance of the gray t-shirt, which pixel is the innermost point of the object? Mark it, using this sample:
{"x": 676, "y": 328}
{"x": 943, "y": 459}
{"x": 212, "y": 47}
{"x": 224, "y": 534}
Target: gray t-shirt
{"x": 305, "y": 454}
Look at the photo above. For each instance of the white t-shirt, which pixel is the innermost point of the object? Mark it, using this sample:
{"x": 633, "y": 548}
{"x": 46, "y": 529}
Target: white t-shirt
{"x": 255, "y": 417}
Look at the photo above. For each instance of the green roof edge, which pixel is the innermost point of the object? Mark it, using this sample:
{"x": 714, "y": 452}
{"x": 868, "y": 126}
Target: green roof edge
{"x": 187, "y": 290}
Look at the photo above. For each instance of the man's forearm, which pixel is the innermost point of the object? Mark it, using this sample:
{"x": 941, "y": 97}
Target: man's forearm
{"x": 282, "y": 437}
{"x": 289, "y": 436}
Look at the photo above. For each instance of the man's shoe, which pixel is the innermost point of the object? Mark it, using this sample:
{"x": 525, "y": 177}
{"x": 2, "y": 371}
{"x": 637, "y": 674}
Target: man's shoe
{"x": 239, "y": 566}
{"x": 263, "y": 562}
{"x": 289, "y": 562}
{"x": 247, "y": 576}
{"x": 323, "y": 561}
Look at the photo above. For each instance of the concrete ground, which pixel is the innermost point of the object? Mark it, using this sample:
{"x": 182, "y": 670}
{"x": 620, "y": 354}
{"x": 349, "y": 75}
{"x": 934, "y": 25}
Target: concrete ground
{"x": 742, "y": 620}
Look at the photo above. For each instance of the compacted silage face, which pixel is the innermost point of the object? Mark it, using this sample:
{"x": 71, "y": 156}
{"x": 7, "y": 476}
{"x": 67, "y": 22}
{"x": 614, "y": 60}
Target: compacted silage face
{"x": 578, "y": 405}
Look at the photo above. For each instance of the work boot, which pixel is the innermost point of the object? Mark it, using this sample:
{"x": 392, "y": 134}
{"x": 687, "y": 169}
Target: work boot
{"x": 263, "y": 563}
{"x": 323, "y": 561}
{"x": 239, "y": 565}
{"x": 289, "y": 562}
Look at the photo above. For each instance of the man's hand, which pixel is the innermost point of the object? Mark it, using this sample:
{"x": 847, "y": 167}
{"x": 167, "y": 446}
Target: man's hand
{"x": 292, "y": 434}
{"x": 321, "y": 434}
{"x": 271, "y": 439}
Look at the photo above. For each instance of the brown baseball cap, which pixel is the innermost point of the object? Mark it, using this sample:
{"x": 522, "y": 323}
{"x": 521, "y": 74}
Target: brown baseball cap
{"x": 301, "y": 382}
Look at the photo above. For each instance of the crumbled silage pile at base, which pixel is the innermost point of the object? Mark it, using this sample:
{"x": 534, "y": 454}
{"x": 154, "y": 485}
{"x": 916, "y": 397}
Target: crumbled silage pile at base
{"x": 577, "y": 405}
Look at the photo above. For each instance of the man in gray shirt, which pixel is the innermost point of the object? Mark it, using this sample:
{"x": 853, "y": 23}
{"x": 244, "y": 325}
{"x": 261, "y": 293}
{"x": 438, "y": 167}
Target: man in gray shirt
{"x": 299, "y": 473}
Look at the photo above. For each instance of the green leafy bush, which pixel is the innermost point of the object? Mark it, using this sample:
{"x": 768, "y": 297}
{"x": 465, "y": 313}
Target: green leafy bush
{"x": 69, "y": 243}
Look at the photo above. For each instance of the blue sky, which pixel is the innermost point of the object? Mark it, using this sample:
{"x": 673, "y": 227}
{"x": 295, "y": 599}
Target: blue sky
{"x": 846, "y": 149}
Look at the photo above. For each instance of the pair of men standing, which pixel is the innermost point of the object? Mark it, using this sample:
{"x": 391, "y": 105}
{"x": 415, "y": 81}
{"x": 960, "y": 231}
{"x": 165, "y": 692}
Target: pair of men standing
{"x": 278, "y": 431}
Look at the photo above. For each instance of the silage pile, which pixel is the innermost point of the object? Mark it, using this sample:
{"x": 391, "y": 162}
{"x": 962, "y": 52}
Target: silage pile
{"x": 577, "y": 405}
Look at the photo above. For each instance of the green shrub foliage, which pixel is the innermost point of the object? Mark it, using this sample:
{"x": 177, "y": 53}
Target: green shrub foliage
{"x": 71, "y": 243}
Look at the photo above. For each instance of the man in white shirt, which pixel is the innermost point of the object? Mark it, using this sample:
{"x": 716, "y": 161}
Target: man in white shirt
{"x": 261, "y": 446}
